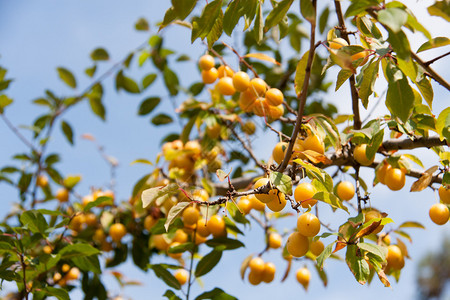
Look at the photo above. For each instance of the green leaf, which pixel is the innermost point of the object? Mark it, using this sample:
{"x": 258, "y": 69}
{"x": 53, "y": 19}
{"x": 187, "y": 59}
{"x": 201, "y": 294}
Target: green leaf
{"x": 88, "y": 263}
{"x": 142, "y": 25}
{"x": 359, "y": 7}
{"x": 308, "y": 11}
{"x": 414, "y": 159}
{"x": 97, "y": 107}
{"x": 148, "y": 80}
{"x": 71, "y": 181}
{"x": 332, "y": 132}
{"x": 148, "y": 105}
{"x": 151, "y": 195}
{"x": 236, "y": 214}
{"x": 357, "y": 264}
{"x": 126, "y": 83}
{"x": 342, "y": 77}
{"x": 171, "y": 81}
{"x": 277, "y": 14}
{"x": 162, "y": 119}
{"x": 80, "y": 249}
{"x": 324, "y": 255}
{"x": 323, "y": 20}
{"x": 59, "y": 293}
{"x": 411, "y": 224}
{"x": 376, "y": 250}
{"x": 201, "y": 26}
{"x": 225, "y": 243}
{"x": 330, "y": 199}
{"x": 183, "y": 8}
{"x": 174, "y": 212}
{"x": 366, "y": 88}
{"x": 393, "y": 17}
{"x": 67, "y": 130}
{"x": 426, "y": 90}
{"x": 207, "y": 263}
{"x": 162, "y": 273}
{"x": 258, "y": 27}
{"x": 400, "y": 44}
{"x": 282, "y": 182}
{"x": 189, "y": 246}
{"x": 300, "y": 73}
{"x": 216, "y": 30}
{"x": 143, "y": 57}
{"x": 97, "y": 202}
{"x": 440, "y": 9}
{"x": 67, "y": 76}
{"x": 170, "y": 295}
{"x": 216, "y": 294}
{"x": 99, "y": 54}
{"x": 4, "y": 102}
{"x": 187, "y": 129}
{"x": 443, "y": 124}
{"x": 434, "y": 43}
{"x": 34, "y": 221}
{"x": 375, "y": 144}
{"x": 233, "y": 13}
{"x": 400, "y": 96}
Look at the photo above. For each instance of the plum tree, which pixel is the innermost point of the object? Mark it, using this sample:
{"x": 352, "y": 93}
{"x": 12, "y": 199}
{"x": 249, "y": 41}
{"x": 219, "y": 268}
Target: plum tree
{"x": 209, "y": 181}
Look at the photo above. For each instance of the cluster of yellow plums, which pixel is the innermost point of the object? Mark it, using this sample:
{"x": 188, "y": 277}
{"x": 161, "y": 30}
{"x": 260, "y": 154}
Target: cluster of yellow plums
{"x": 255, "y": 94}
{"x": 66, "y": 274}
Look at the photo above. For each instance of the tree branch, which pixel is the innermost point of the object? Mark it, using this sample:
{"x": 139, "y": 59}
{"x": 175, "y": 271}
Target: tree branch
{"x": 430, "y": 71}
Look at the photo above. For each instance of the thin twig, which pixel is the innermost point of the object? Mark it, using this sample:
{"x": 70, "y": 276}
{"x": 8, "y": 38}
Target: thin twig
{"x": 17, "y": 133}
{"x": 430, "y": 71}
{"x": 246, "y": 147}
{"x": 436, "y": 58}
{"x": 352, "y": 80}
{"x": 302, "y": 96}
{"x": 242, "y": 60}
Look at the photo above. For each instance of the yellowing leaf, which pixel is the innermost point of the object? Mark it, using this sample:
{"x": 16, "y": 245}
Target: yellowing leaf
{"x": 424, "y": 180}
{"x": 316, "y": 157}
{"x": 262, "y": 56}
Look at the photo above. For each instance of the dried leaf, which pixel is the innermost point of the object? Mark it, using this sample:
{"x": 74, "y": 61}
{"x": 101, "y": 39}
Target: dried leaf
{"x": 424, "y": 181}
{"x": 316, "y": 157}
{"x": 262, "y": 56}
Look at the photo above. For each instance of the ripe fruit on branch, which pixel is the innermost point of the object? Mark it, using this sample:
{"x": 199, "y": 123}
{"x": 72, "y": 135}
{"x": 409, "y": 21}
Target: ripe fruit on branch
{"x": 202, "y": 229}
{"x": 444, "y": 194}
{"x": 303, "y": 276}
{"x": 256, "y": 204}
{"x": 42, "y": 181}
{"x": 182, "y": 276}
{"x": 278, "y": 202}
{"x": 73, "y": 274}
{"x": 278, "y": 152}
{"x": 256, "y": 265}
{"x": 381, "y": 172}
{"x": 254, "y": 278}
{"x": 225, "y": 71}
{"x": 308, "y": 224}
{"x": 258, "y": 87}
{"x": 275, "y": 112}
{"x": 337, "y": 43}
{"x": 225, "y": 86}
{"x": 313, "y": 142}
{"x": 247, "y": 100}
{"x": 395, "y": 179}
{"x": 62, "y": 195}
{"x": 265, "y": 198}
{"x": 190, "y": 216}
{"x": 159, "y": 242}
{"x": 275, "y": 240}
{"x": 269, "y": 272}
{"x": 261, "y": 107}
{"x": 149, "y": 222}
{"x": 206, "y": 62}
{"x": 316, "y": 247}
{"x": 395, "y": 258}
{"x": 373, "y": 214}
{"x": 117, "y": 231}
{"x": 359, "y": 154}
{"x": 214, "y": 131}
{"x": 303, "y": 193}
{"x": 439, "y": 213}
{"x": 297, "y": 244}
{"x": 209, "y": 76}
{"x": 241, "y": 81}
{"x": 244, "y": 205}
{"x": 216, "y": 225}
{"x": 345, "y": 190}
{"x": 274, "y": 97}
{"x": 249, "y": 127}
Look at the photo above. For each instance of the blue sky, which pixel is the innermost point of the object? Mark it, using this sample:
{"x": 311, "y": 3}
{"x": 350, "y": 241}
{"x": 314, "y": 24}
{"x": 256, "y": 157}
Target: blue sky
{"x": 36, "y": 37}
